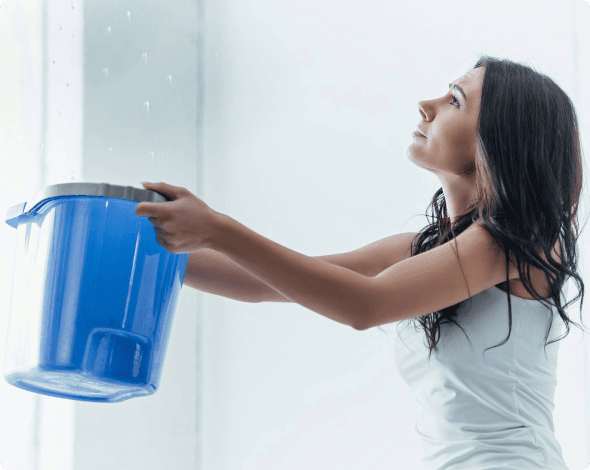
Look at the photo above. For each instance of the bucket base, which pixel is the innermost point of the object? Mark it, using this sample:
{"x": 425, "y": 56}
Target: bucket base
{"x": 74, "y": 385}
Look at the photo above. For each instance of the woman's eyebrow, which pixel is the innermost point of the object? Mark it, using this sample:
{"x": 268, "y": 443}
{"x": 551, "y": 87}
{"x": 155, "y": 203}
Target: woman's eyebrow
{"x": 457, "y": 87}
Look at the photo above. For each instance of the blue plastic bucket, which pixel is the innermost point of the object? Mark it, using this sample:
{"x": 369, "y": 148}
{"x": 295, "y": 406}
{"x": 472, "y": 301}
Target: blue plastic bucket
{"x": 93, "y": 294}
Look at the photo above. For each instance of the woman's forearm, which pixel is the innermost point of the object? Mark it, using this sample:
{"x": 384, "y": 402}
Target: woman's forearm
{"x": 214, "y": 273}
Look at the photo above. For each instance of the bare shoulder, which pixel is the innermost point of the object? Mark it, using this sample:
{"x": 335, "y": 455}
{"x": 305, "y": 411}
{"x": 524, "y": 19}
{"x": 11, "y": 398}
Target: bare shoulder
{"x": 513, "y": 274}
{"x": 481, "y": 235}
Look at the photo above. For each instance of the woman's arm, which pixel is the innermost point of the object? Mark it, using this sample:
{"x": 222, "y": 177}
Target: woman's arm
{"x": 335, "y": 292}
{"x": 211, "y": 272}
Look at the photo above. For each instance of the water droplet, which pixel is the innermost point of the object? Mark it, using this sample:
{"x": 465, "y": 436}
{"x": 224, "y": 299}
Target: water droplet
{"x": 67, "y": 84}
{"x": 105, "y": 72}
{"x": 54, "y": 62}
{"x": 144, "y": 57}
{"x": 152, "y": 155}
{"x": 73, "y": 175}
{"x": 59, "y": 111}
{"x": 146, "y": 106}
{"x": 72, "y": 5}
{"x": 217, "y": 56}
{"x": 60, "y": 28}
{"x": 129, "y": 16}
{"x": 110, "y": 149}
{"x": 109, "y": 29}
{"x": 215, "y": 34}
{"x": 41, "y": 146}
{"x": 169, "y": 78}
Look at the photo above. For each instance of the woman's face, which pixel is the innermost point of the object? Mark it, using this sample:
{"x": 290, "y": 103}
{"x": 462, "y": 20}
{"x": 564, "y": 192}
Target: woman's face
{"x": 450, "y": 124}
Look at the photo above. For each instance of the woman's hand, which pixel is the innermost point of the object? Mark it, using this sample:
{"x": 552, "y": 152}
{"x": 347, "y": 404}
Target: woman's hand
{"x": 184, "y": 224}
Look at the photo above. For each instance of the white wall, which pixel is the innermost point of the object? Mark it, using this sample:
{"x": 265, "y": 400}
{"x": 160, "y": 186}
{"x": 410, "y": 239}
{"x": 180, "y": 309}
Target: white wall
{"x": 40, "y": 138}
{"x": 309, "y": 110}
{"x": 62, "y": 119}
{"x": 162, "y": 430}
{"x": 293, "y": 118}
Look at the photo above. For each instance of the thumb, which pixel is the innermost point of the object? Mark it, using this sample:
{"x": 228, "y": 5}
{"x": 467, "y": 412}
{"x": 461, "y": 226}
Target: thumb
{"x": 144, "y": 209}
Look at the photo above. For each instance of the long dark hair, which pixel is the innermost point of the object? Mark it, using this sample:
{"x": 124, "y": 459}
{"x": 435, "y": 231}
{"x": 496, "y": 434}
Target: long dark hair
{"x": 528, "y": 166}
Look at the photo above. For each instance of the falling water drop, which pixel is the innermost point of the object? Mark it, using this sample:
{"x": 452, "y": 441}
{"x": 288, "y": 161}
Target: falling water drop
{"x": 144, "y": 57}
{"x": 169, "y": 78}
{"x": 109, "y": 29}
{"x": 215, "y": 34}
{"x": 152, "y": 155}
{"x": 105, "y": 72}
{"x": 73, "y": 175}
{"x": 146, "y": 106}
{"x": 110, "y": 149}
{"x": 67, "y": 84}
{"x": 60, "y": 28}
{"x": 217, "y": 56}
{"x": 129, "y": 16}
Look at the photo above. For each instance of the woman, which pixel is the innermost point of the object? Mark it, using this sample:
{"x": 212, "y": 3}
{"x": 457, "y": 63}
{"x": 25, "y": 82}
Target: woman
{"x": 504, "y": 144}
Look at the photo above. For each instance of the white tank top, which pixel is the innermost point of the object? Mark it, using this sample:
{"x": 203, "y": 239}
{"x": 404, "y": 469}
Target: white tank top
{"x": 485, "y": 411}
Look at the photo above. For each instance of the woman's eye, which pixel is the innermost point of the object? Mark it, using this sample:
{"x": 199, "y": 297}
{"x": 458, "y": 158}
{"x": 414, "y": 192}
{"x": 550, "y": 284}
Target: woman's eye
{"x": 455, "y": 101}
